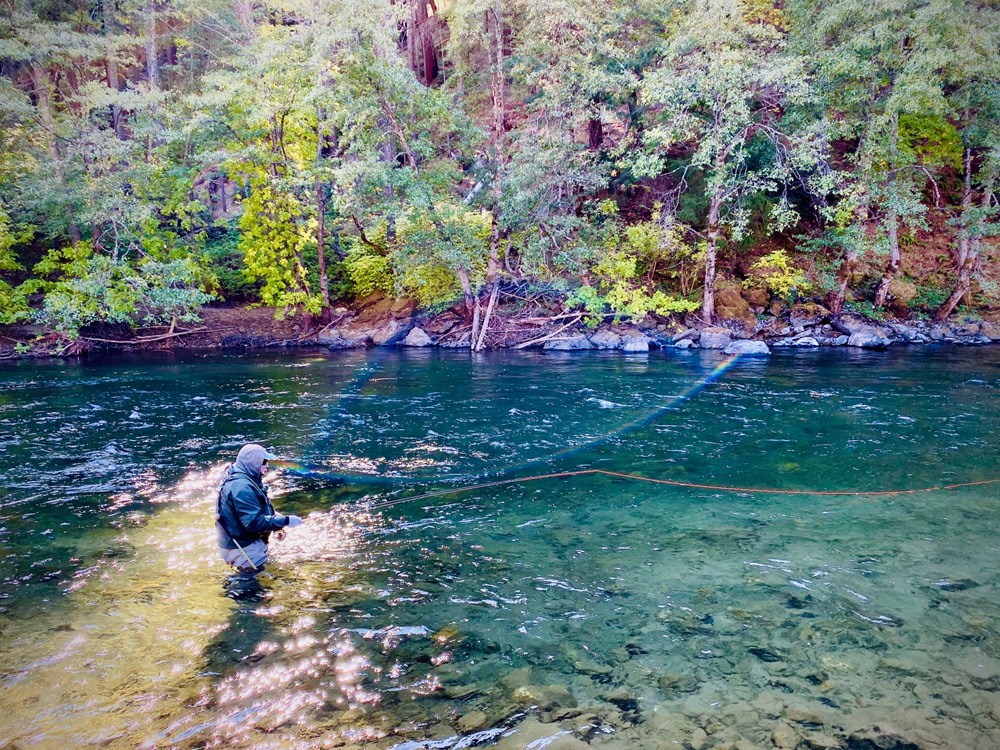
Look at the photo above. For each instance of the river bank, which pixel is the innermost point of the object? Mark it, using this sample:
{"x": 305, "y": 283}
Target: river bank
{"x": 381, "y": 321}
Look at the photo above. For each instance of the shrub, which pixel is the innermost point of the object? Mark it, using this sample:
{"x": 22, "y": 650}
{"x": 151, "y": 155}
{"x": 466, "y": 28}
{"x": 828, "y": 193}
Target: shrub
{"x": 223, "y": 256}
{"x": 776, "y": 272}
{"x": 101, "y": 289}
{"x": 433, "y": 285}
{"x": 369, "y": 273}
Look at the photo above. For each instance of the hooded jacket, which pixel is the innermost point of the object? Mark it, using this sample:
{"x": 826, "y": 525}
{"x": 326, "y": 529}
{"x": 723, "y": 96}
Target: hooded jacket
{"x": 244, "y": 510}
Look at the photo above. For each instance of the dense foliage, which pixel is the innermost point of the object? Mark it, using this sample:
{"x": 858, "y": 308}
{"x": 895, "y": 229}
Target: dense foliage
{"x": 156, "y": 154}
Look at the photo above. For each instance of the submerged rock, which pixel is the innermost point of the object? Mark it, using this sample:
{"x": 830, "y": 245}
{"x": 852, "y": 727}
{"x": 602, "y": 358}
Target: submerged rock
{"x": 677, "y": 683}
{"x": 337, "y": 341}
{"x": 963, "y": 584}
{"x": 473, "y": 722}
{"x": 545, "y": 697}
{"x": 874, "y": 739}
{"x": 990, "y": 684}
{"x": 764, "y": 655}
{"x": 568, "y": 344}
{"x": 783, "y": 736}
{"x": 748, "y": 348}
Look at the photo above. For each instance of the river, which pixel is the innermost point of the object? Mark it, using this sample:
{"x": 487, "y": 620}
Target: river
{"x": 816, "y": 566}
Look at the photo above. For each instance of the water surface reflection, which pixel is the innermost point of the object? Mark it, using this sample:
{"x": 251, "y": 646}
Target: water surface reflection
{"x": 563, "y": 612}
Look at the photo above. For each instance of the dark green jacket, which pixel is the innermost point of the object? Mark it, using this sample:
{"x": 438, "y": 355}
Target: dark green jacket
{"x": 244, "y": 511}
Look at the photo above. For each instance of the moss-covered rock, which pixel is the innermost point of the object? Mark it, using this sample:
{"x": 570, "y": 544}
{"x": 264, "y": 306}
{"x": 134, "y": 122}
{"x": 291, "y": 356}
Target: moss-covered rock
{"x": 809, "y": 311}
{"x": 756, "y": 296}
{"x": 730, "y": 305}
{"x": 902, "y": 291}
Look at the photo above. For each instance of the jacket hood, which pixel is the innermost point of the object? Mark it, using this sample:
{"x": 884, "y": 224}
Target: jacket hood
{"x": 251, "y": 457}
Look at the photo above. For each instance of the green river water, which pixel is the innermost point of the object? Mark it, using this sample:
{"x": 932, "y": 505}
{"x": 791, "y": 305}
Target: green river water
{"x": 556, "y": 613}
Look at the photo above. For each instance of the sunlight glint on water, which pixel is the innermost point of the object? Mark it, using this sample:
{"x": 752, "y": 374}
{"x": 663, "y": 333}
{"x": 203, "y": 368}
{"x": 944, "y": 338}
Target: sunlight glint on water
{"x": 581, "y": 609}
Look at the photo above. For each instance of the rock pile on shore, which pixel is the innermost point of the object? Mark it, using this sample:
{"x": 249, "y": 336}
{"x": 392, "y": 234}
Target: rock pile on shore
{"x": 387, "y": 322}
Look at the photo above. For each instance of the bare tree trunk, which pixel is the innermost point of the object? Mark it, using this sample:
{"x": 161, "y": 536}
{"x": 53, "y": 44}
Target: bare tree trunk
{"x": 969, "y": 240}
{"x": 486, "y": 321}
{"x": 712, "y": 237}
{"x": 153, "y": 70}
{"x": 223, "y": 204}
{"x": 117, "y": 120}
{"x": 595, "y": 133}
{"x": 499, "y": 115}
{"x": 466, "y": 283}
{"x": 411, "y": 39}
{"x": 324, "y": 280}
{"x": 152, "y": 59}
{"x": 322, "y": 146}
{"x": 846, "y": 270}
{"x": 421, "y": 53}
{"x": 882, "y": 291}
{"x": 243, "y": 10}
{"x": 844, "y": 274}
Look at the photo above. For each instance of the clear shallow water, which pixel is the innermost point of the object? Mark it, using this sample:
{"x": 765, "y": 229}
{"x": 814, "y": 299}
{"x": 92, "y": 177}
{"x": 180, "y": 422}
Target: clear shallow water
{"x": 628, "y": 614}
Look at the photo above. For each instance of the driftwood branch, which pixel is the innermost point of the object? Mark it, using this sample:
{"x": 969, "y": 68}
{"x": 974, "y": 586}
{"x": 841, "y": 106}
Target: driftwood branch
{"x": 486, "y": 321}
{"x": 548, "y": 336}
{"x": 150, "y": 339}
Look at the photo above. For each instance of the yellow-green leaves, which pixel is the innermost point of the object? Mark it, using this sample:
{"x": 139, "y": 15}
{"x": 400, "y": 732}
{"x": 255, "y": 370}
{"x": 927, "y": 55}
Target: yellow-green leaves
{"x": 273, "y": 233}
{"x": 778, "y": 274}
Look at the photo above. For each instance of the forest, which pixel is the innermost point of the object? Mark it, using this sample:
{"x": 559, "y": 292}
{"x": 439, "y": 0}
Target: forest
{"x": 632, "y": 157}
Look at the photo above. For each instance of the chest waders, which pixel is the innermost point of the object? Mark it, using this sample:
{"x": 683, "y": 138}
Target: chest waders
{"x": 218, "y": 522}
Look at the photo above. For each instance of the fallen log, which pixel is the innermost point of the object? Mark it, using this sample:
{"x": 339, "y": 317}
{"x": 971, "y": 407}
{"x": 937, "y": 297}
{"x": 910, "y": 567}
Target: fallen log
{"x": 150, "y": 339}
{"x": 546, "y": 337}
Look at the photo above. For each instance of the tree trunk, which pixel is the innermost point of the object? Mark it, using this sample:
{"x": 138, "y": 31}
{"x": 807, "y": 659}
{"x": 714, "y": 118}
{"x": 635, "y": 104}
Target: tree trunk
{"x": 323, "y": 148}
{"x": 324, "y": 280}
{"x": 844, "y": 273}
{"x": 152, "y": 60}
{"x": 421, "y": 53}
{"x": 968, "y": 240}
{"x": 481, "y": 341}
{"x": 117, "y": 120}
{"x": 497, "y": 134}
{"x": 411, "y": 39}
{"x": 223, "y": 204}
{"x": 243, "y": 10}
{"x": 595, "y": 133}
{"x": 882, "y": 291}
{"x": 466, "y": 283}
{"x": 846, "y": 270}
{"x": 708, "y": 295}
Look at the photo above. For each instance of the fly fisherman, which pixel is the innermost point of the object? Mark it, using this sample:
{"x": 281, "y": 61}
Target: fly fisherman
{"x": 245, "y": 517}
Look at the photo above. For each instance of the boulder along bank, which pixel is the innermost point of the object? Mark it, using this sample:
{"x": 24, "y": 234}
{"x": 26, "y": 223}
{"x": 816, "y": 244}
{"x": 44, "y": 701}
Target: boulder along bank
{"x": 387, "y": 322}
